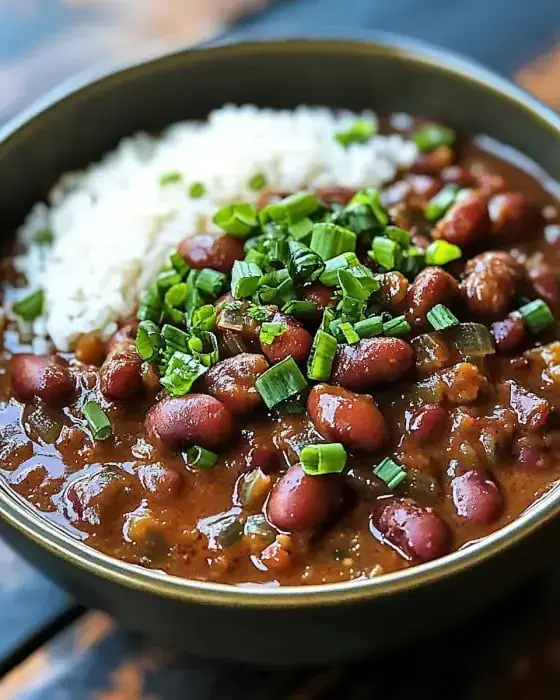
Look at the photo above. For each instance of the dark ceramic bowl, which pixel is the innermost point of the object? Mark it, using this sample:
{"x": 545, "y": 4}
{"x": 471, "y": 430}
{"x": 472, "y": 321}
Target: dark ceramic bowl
{"x": 308, "y": 623}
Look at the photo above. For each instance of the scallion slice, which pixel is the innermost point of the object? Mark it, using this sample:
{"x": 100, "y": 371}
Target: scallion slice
{"x": 270, "y": 331}
{"x": 259, "y": 313}
{"x": 321, "y": 357}
{"x": 301, "y": 229}
{"x": 245, "y": 278}
{"x": 30, "y": 307}
{"x": 300, "y": 309}
{"x": 303, "y": 264}
{"x": 399, "y": 235}
{"x": 352, "y": 286}
{"x": 361, "y": 131}
{"x": 413, "y": 261}
{"x": 256, "y": 257}
{"x": 371, "y": 197}
{"x": 329, "y": 276}
{"x": 44, "y": 236}
{"x": 440, "y": 318}
{"x": 369, "y": 327}
{"x": 317, "y": 460}
{"x": 170, "y": 177}
{"x": 179, "y": 264}
{"x": 194, "y": 301}
{"x": 204, "y": 318}
{"x": 391, "y": 473}
{"x": 441, "y": 252}
{"x": 201, "y": 459}
{"x": 148, "y": 341}
{"x": 197, "y": 190}
{"x": 97, "y": 419}
{"x": 211, "y": 282}
{"x": 168, "y": 278}
{"x": 176, "y": 296}
{"x": 438, "y": 205}
{"x": 329, "y": 240}
{"x": 257, "y": 182}
{"x": 239, "y": 220}
{"x": 350, "y": 335}
{"x": 386, "y": 253}
{"x": 396, "y": 327}
{"x": 181, "y": 373}
{"x": 429, "y": 136}
{"x": 204, "y": 348}
{"x": 291, "y": 209}
{"x": 280, "y": 382}
{"x": 175, "y": 338}
{"x": 537, "y": 315}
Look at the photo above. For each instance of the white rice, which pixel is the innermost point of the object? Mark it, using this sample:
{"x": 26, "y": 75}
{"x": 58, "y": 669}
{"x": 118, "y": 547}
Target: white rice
{"x": 114, "y": 224}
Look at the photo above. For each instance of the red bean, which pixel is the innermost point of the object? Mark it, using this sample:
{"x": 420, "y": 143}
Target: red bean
{"x": 509, "y": 333}
{"x": 370, "y": 362}
{"x": 534, "y": 457}
{"x": 531, "y": 410}
{"x": 160, "y": 481}
{"x": 423, "y": 188}
{"x": 433, "y": 162}
{"x": 466, "y": 221}
{"x": 217, "y": 252}
{"x": 319, "y": 294}
{"x": 120, "y": 376}
{"x": 428, "y": 422}
{"x": 342, "y": 416}
{"x": 510, "y": 214}
{"x": 418, "y": 532}
{"x": 294, "y": 341}
{"x": 94, "y": 497}
{"x": 545, "y": 282}
{"x": 232, "y": 381}
{"x": 393, "y": 290}
{"x": 300, "y": 502}
{"x": 489, "y": 285}
{"x": 265, "y": 457}
{"x": 195, "y": 419}
{"x": 477, "y": 497}
{"x": 456, "y": 175}
{"x": 125, "y": 332}
{"x": 432, "y": 286}
{"x": 38, "y": 376}
{"x": 335, "y": 195}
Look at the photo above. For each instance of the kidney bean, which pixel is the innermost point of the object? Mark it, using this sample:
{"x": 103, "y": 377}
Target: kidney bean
{"x": 531, "y": 410}
{"x": 428, "y": 423}
{"x": 393, "y": 290}
{"x": 319, "y": 294}
{"x": 510, "y": 214}
{"x": 466, "y": 221}
{"x": 232, "y": 381}
{"x": 490, "y": 183}
{"x": 194, "y": 419}
{"x": 160, "y": 481}
{"x": 396, "y": 193}
{"x": 90, "y": 349}
{"x": 98, "y": 498}
{"x": 456, "y": 175}
{"x": 120, "y": 376}
{"x": 371, "y": 362}
{"x": 477, "y": 497}
{"x": 217, "y": 252}
{"x": 534, "y": 457}
{"x": 335, "y": 195}
{"x": 418, "y": 532}
{"x": 433, "y": 162}
{"x": 265, "y": 457}
{"x": 294, "y": 341}
{"x": 544, "y": 282}
{"x": 125, "y": 332}
{"x": 300, "y": 502}
{"x": 432, "y": 286}
{"x": 509, "y": 334}
{"x": 342, "y": 416}
{"x": 422, "y": 189}
{"x": 38, "y": 376}
{"x": 489, "y": 284}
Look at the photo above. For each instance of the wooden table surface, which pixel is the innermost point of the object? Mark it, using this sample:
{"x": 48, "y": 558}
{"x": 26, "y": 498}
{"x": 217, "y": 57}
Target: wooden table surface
{"x": 53, "y": 649}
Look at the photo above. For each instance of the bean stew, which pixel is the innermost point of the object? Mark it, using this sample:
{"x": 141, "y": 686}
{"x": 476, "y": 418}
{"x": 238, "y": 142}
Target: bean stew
{"x": 342, "y": 384}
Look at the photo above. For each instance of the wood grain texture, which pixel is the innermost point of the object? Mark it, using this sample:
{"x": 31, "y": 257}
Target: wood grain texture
{"x": 542, "y": 77}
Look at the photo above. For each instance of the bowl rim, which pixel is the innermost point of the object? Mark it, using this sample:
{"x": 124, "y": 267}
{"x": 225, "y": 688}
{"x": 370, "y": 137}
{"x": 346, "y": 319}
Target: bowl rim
{"x": 21, "y": 516}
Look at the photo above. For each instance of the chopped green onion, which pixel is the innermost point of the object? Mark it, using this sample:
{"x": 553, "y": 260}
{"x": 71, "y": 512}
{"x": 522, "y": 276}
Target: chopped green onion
{"x": 471, "y": 339}
{"x": 386, "y": 253}
{"x": 176, "y": 295}
{"x": 396, "y": 327}
{"x": 270, "y": 331}
{"x": 391, "y": 473}
{"x": 361, "y": 131}
{"x": 438, "y": 205}
{"x": 399, "y": 235}
{"x": 181, "y": 373}
{"x": 168, "y": 278}
{"x": 245, "y": 278}
{"x": 201, "y": 459}
{"x": 301, "y": 229}
{"x": 429, "y": 136}
{"x": 372, "y": 198}
{"x": 321, "y": 356}
{"x": 170, "y": 177}
{"x": 413, "y": 261}
{"x": 352, "y": 286}
{"x": 350, "y": 308}
{"x": 537, "y": 315}
{"x": 280, "y": 382}
{"x": 194, "y": 301}
{"x": 303, "y": 264}
{"x": 259, "y": 313}
{"x": 148, "y": 341}
{"x": 441, "y": 318}
{"x": 349, "y": 333}
{"x": 317, "y": 460}
{"x": 369, "y": 327}
{"x": 298, "y": 308}
{"x": 204, "y": 318}
{"x": 204, "y": 348}
{"x": 197, "y": 190}
{"x": 179, "y": 264}
{"x": 150, "y": 307}
{"x": 329, "y": 276}
{"x": 441, "y": 252}
{"x": 257, "y": 182}
{"x": 175, "y": 338}
{"x": 44, "y": 236}
{"x": 330, "y": 240}
{"x": 211, "y": 282}
{"x": 97, "y": 419}
{"x": 30, "y": 307}
{"x": 256, "y": 257}
{"x": 278, "y": 295}
{"x": 291, "y": 209}
{"x": 239, "y": 220}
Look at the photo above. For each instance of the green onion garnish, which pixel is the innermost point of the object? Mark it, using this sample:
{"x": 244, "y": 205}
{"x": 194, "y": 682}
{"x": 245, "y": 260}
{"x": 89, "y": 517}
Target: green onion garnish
{"x": 349, "y": 333}
{"x": 280, "y": 382}
{"x": 175, "y": 338}
{"x": 256, "y": 257}
{"x": 438, "y": 205}
{"x": 211, "y": 282}
{"x": 201, "y": 459}
{"x": 204, "y": 318}
{"x": 170, "y": 177}
{"x": 239, "y": 220}
{"x": 301, "y": 229}
{"x": 441, "y": 252}
{"x": 413, "y": 261}
{"x": 369, "y": 327}
{"x": 194, "y": 301}
{"x": 197, "y": 190}
{"x": 291, "y": 209}
{"x": 391, "y": 473}
{"x": 44, "y": 236}
{"x": 176, "y": 295}
{"x": 317, "y": 460}
{"x": 270, "y": 331}
{"x": 148, "y": 341}
{"x": 181, "y": 373}
{"x": 151, "y": 306}
{"x": 361, "y": 131}
{"x": 168, "y": 278}
{"x": 371, "y": 197}
{"x": 30, "y": 307}
{"x": 321, "y": 356}
{"x": 429, "y": 136}
{"x": 245, "y": 278}
{"x": 352, "y": 286}
{"x": 537, "y": 315}
{"x": 330, "y": 240}
{"x": 204, "y": 348}
{"x": 441, "y": 318}
{"x": 259, "y": 313}
{"x": 298, "y": 308}
{"x": 399, "y": 235}
{"x": 329, "y": 276}
{"x": 303, "y": 264}
{"x": 257, "y": 182}
{"x": 179, "y": 264}
{"x": 396, "y": 327}
{"x": 386, "y": 253}
{"x": 97, "y": 420}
